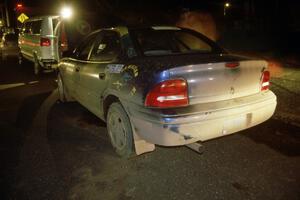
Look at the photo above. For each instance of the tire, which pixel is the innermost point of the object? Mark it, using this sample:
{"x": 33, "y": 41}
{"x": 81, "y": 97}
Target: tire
{"x": 120, "y": 130}
{"x": 37, "y": 67}
{"x": 20, "y": 59}
{"x": 62, "y": 92}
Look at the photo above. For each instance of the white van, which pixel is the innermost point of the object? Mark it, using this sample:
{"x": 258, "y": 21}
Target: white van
{"x": 38, "y": 42}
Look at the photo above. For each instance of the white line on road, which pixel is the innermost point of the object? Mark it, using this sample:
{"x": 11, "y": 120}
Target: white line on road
{"x": 33, "y": 82}
{"x": 7, "y": 86}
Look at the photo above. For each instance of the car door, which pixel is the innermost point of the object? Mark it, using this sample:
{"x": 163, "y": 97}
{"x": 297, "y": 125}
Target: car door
{"x": 81, "y": 59}
{"x": 93, "y": 75}
{"x": 71, "y": 66}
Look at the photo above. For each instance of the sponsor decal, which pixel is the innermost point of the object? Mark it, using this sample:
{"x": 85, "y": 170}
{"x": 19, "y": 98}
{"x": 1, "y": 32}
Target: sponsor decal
{"x": 115, "y": 68}
{"x": 132, "y": 69}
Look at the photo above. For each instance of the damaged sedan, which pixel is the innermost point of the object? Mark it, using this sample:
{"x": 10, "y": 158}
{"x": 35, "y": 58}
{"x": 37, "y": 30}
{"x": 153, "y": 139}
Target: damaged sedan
{"x": 164, "y": 86}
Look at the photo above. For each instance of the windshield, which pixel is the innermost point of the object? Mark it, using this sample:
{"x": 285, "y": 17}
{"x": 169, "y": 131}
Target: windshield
{"x": 167, "y": 42}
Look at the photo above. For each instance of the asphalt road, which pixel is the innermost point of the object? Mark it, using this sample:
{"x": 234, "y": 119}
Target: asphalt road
{"x": 50, "y": 150}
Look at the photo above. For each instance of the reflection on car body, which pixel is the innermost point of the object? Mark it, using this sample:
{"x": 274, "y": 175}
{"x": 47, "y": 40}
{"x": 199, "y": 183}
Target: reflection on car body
{"x": 164, "y": 86}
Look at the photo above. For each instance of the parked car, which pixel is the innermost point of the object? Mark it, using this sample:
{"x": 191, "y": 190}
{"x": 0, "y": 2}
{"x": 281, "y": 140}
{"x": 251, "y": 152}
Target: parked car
{"x": 9, "y": 46}
{"x": 164, "y": 86}
{"x": 38, "y": 42}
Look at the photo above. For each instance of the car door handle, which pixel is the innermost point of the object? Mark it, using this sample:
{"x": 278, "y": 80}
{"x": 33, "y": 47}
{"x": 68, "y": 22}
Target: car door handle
{"x": 102, "y": 76}
{"x": 77, "y": 69}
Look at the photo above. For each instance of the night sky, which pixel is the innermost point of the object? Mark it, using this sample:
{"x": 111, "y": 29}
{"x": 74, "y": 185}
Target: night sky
{"x": 275, "y": 23}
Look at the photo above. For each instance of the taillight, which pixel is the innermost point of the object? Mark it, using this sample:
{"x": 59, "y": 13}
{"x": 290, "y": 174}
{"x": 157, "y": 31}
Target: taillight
{"x": 265, "y": 80}
{"x": 45, "y": 42}
{"x": 232, "y": 65}
{"x": 169, "y": 93}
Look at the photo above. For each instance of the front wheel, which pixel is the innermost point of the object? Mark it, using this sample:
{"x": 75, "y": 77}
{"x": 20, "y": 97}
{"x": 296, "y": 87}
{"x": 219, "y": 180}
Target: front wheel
{"x": 62, "y": 92}
{"x": 119, "y": 130}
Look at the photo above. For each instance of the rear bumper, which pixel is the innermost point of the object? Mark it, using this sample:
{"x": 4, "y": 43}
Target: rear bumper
{"x": 206, "y": 121}
{"x": 49, "y": 63}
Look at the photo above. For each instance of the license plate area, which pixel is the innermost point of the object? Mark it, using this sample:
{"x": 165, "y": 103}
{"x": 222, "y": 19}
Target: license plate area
{"x": 236, "y": 123}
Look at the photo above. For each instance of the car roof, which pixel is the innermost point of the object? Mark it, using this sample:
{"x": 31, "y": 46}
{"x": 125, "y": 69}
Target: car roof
{"x": 35, "y": 18}
{"x": 161, "y": 27}
{"x": 125, "y": 29}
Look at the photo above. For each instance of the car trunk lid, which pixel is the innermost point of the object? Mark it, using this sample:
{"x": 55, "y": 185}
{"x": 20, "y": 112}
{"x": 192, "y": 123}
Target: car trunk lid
{"x": 210, "y": 82}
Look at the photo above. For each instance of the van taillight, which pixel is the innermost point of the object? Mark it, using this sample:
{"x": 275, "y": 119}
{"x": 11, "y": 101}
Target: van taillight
{"x": 232, "y": 65}
{"x": 45, "y": 42}
{"x": 265, "y": 80}
{"x": 167, "y": 94}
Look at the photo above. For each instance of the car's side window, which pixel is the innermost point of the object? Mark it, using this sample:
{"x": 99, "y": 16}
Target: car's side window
{"x": 84, "y": 49}
{"x": 36, "y": 27}
{"x": 107, "y": 46}
{"x": 27, "y": 27}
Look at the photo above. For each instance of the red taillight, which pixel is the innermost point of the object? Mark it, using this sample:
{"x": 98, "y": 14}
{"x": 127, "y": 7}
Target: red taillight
{"x": 265, "y": 81}
{"x": 45, "y": 42}
{"x": 232, "y": 65}
{"x": 169, "y": 93}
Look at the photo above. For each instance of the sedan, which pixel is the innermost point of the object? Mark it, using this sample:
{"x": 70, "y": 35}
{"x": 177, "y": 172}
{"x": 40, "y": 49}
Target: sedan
{"x": 164, "y": 86}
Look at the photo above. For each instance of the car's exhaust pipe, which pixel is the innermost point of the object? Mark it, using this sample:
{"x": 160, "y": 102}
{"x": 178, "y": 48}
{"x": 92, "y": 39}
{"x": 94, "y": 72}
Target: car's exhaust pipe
{"x": 197, "y": 146}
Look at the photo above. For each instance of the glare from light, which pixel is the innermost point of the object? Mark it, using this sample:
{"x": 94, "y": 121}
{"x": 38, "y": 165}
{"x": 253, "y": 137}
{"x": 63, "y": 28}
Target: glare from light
{"x": 227, "y": 5}
{"x": 66, "y": 12}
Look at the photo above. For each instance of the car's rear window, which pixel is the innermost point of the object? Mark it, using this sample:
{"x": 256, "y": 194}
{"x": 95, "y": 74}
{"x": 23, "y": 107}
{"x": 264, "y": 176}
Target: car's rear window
{"x": 153, "y": 42}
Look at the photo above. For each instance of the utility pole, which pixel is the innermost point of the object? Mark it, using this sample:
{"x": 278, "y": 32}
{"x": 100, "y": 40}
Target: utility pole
{"x": 6, "y": 13}
{"x": 2, "y": 22}
{"x": 2, "y": 12}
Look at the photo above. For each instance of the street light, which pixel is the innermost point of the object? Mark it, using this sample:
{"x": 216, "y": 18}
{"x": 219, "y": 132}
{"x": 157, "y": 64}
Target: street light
{"x": 226, "y": 6}
{"x": 66, "y": 12}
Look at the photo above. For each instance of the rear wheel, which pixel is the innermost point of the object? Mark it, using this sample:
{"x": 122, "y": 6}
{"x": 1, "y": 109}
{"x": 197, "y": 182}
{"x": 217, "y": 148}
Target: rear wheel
{"x": 119, "y": 130}
{"x": 20, "y": 59}
{"x": 37, "y": 67}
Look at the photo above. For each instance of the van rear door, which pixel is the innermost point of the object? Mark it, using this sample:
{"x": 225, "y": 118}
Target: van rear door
{"x": 48, "y": 41}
